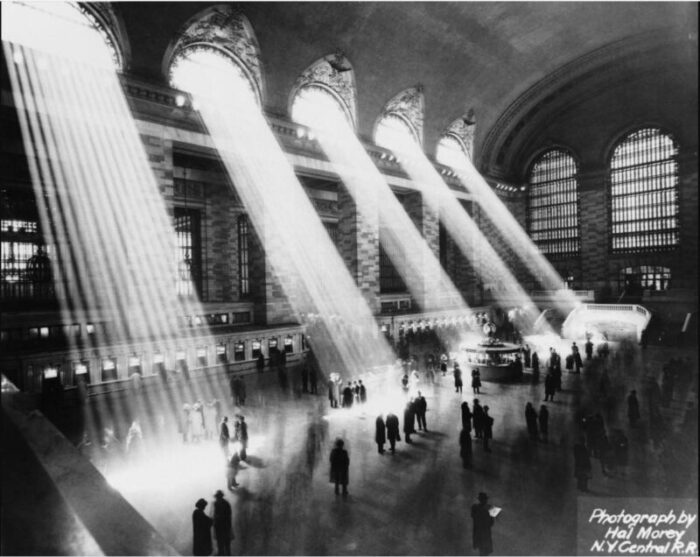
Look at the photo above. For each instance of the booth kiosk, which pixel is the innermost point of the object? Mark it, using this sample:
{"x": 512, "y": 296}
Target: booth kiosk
{"x": 496, "y": 360}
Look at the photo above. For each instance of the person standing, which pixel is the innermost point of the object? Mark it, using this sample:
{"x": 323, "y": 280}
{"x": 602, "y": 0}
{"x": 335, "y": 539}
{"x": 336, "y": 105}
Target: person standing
{"x": 260, "y": 363}
{"x": 392, "y": 431}
{"x": 241, "y": 436}
{"x": 488, "y": 428}
{"x": 409, "y": 418}
{"x": 466, "y": 417}
{"x": 550, "y": 387}
{"x": 232, "y": 468}
{"x": 363, "y": 392}
{"x": 223, "y": 524}
{"x": 535, "y": 360}
{"x": 224, "y": 436}
{"x": 544, "y": 423}
{"x": 476, "y": 381}
{"x": 465, "y": 448}
{"x": 458, "y": 378}
{"x": 380, "y": 434}
{"x": 478, "y": 419}
{"x": 531, "y": 420}
{"x": 201, "y": 526}
{"x": 633, "y": 408}
{"x": 482, "y": 524}
{"x": 340, "y": 466}
{"x": 582, "y": 465}
{"x": 421, "y": 406}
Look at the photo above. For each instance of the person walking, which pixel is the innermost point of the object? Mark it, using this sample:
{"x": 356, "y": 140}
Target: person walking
{"x": 488, "y": 428}
{"x": 535, "y": 361}
{"x": 409, "y": 418}
{"x": 633, "y": 408}
{"x": 466, "y": 417}
{"x": 531, "y": 420}
{"x": 544, "y": 423}
{"x": 224, "y": 436}
{"x": 340, "y": 466}
{"x": 478, "y": 419}
{"x": 223, "y": 524}
{"x": 482, "y": 524}
{"x": 380, "y": 434}
{"x": 232, "y": 468}
{"x": 421, "y": 406}
{"x": 201, "y": 526}
{"x": 392, "y": 431}
{"x": 465, "y": 448}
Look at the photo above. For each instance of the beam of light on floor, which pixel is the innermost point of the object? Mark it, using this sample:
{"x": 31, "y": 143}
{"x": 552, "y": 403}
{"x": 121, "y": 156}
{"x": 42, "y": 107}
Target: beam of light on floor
{"x": 321, "y": 292}
{"x": 517, "y": 238}
{"x": 466, "y": 234}
{"x": 410, "y": 253}
{"x": 110, "y": 241}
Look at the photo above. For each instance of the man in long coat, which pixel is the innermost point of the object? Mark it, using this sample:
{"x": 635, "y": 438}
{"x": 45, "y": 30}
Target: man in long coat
{"x": 223, "y": 524}
{"x": 478, "y": 419}
{"x": 201, "y": 526}
{"x": 466, "y": 417}
{"x": 380, "y": 434}
{"x": 340, "y": 466}
{"x": 409, "y": 418}
{"x": 224, "y": 436}
{"x": 483, "y": 521}
{"x": 421, "y": 407}
{"x": 392, "y": 431}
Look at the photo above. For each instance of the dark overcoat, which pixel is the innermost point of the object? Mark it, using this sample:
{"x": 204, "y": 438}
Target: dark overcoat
{"x": 481, "y": 535}
{"x": 392, "y": 427}
{"x": 340, "y": 466}
{"x": 201, "y": 525}
{"x": 380, "y": 433}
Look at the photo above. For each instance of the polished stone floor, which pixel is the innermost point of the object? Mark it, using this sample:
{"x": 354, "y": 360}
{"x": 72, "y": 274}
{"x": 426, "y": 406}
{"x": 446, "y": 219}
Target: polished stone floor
{"x": 417, "y": 501}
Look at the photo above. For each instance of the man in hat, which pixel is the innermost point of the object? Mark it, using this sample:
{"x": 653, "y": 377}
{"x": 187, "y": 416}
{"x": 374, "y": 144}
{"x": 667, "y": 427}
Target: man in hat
{"x": 483, "y": 521}
{"x": 223, "y": 524}
{"x": 224, "y": 436}
{"x": 201, "y": 525}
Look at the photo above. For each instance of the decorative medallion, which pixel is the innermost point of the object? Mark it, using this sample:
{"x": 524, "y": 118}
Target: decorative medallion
{"x": 225, "y": 28}
{"x": 333, "y": 72}
{"x": 409, "y": 104}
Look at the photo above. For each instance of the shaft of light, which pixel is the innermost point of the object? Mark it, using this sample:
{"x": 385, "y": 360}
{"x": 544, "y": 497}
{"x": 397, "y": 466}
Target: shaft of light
{"x": 315, "y": 280}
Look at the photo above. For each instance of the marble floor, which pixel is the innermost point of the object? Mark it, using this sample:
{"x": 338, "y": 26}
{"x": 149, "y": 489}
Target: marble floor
{"x": 415, "y": 502}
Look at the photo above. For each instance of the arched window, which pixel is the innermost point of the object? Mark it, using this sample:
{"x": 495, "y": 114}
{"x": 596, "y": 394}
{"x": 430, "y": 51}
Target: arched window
{"x": 316, "y": 106}
{"x": 451, "y": 151}
{"x": 243, "y": 262}
{"x": 38, "y": 24}
{"x": 553, "y": 204}
{"x": 394, "y": 132}
{"x": 644, "y": 192}
{"x": 203, "y": 69}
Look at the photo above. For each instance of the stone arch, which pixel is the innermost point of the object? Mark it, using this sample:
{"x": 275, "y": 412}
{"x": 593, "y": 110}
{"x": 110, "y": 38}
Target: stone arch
{"x": 409, "y": 106}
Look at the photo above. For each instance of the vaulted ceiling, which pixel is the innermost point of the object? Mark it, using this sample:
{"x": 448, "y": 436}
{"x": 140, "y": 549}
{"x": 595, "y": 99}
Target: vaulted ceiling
{"x": 488, "y": 56}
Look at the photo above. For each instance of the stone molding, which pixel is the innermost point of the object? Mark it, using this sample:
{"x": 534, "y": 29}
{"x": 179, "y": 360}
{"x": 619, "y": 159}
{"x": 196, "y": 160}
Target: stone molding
{"x": 409, "y": 104}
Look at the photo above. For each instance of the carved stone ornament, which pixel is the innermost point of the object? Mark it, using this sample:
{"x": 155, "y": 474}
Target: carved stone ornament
{"x": 410, "y": 104}
{"x": 464, "y": 129}
{"x": 103, "y": 18}
{"x": 333, "y": 72}
{"x": 225, "y": 28}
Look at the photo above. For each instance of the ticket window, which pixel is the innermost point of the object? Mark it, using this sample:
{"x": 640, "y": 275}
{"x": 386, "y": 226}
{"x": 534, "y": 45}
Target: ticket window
{"x": 135, "y": 365}
{"x": 51, "y": 379}
{"x": 239, "y": 351}
{"x": 202, "y": 356}
{"x": 81, "y": 372}
{"x": 272, "y": 344}
{"x": 257, "y": 349}
{"x": 181, "y": 363}
{"x": 158, "y": 364}
{"x": 109, "y": 369}
{"x": 221, "y": 356}
{"x": 288, "y": 345}
{"x": 385, "y": 330}
{"x": 402, "y": 330}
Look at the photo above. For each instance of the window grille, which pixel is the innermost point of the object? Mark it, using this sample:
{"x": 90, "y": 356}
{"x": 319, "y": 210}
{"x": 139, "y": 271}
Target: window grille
{"x": 189, "y": 247}
{"x": 243, "y": 257}
{"x": 553, "y": 204}
{"x": 644, "y": 192}
{"x": 332, "y": 229}
{"x": 644, "y": 277}
{"x": 389, "y": 278}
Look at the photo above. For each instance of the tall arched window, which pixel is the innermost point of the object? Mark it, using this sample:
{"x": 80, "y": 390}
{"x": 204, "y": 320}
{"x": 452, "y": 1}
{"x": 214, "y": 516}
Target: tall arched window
{"x": 243, "y": 263}
{"x": 451, "y": 151}
{"x": 644, "y": 192}
{"x": 316, "y": 106}
{"x": 394, "y": 132}
{"x": 553, "y": 204}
